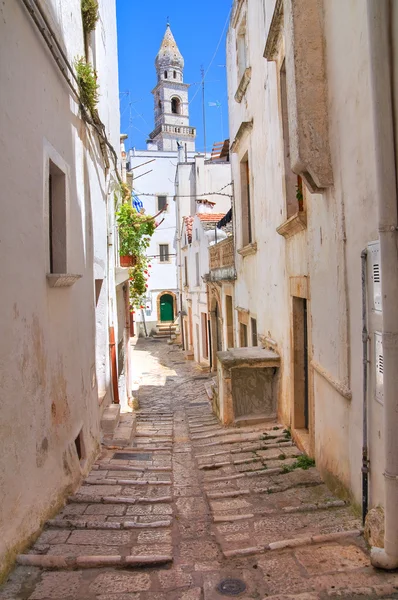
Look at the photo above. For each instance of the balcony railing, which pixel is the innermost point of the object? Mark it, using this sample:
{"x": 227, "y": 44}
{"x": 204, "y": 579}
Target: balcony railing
{"x": 222, "y": 261}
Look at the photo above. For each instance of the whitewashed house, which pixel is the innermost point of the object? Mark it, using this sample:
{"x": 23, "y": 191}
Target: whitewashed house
{"x": 58, "y": 274}
{"x": 313, "y": 136}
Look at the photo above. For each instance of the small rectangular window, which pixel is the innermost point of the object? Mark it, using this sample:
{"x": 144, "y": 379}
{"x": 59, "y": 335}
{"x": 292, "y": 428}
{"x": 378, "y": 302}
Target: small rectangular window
{"x": 254, "y": 332}
{"x": 164, "y": 252}
{"x": 186, "y": 270}
{"x": 196, "y": 234}
{"x": 243, "y": 335}
{"x": 162, "y": 202}
{"x": 57, "y": 218}
{"x": 247, "y": 237}
{"x": 205, "y": 344}
{"x": 197, "y": 269}
{"x": 293, "y": 183}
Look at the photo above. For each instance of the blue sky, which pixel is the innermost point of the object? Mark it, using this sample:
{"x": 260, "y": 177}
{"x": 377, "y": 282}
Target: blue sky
{"x": 197, "y": 28}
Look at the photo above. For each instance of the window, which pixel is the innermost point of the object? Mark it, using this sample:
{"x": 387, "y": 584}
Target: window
{"x": 162, "y": 202}
{"x": 160, "y": 105}
{"x": 164, "y": 252}
{"x": 196, "y": 234}
{"x": 205, "y": 345}
{"x": 293, "y": 183}
{"x": 254, "y": 332}
{"x": 175, "y": 74}
{"x": 247, "y": 237}
{"x": 241, "y": 49}
{"x": 57, "y": 219}
{"x": 197, "y": 269}
{"x": 185, "y": 270}
{"x": 176, "y": 106}
{"x": 165, "y": 74}
{"x": 243, "y": 335}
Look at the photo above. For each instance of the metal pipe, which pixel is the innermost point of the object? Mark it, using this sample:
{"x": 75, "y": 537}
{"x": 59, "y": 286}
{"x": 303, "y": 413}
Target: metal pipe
{"x": 365, "y": 338}
{"x": 380, "y": 44}
{"x": 112, "y": 347}
{"x": 210, "y": 346}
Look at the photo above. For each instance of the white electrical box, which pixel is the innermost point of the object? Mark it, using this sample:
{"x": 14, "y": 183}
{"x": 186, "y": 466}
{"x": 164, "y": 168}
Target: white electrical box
{"x": 375, "y": 266}
{"x": 379, "y": 363}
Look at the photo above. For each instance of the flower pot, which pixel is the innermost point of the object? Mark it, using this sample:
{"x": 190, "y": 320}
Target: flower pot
{"x": 128, "y": 261}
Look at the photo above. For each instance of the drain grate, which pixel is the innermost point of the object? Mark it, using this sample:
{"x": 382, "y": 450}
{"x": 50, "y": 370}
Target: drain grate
{"x": 231, "y": 587}
{"x": 132, "y": 456}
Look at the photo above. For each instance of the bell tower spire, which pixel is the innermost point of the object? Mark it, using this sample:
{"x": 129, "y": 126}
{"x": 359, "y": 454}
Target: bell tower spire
{"x": 171, "y": 105}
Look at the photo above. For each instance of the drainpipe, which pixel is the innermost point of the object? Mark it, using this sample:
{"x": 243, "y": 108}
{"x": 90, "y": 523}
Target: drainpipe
{"x": 111, "y": 290}
{"x": 380, "y": 44}
{"x": 365, "y": 337}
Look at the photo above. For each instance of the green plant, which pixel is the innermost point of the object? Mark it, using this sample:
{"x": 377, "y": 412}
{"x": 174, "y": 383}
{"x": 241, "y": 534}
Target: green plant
{"x": 303, "y": 462}
{"x": 90, "y": 16}
{"x": 135, "y": 231}
{"x": 88, "y": 85}
{"x": 138, "y": 282}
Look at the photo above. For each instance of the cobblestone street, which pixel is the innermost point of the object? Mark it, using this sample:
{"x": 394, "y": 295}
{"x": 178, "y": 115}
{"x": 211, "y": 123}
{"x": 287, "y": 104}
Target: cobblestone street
{"x": 194, "y": 511}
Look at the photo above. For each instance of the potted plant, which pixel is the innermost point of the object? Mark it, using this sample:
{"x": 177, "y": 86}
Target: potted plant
{"x": 135, "y": 231}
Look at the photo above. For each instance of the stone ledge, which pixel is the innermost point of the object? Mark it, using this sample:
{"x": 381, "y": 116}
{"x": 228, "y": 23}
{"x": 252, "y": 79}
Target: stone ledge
{"x": 293, "y": 225}
{"x": 62, "y": 279}
{"x": 248, "y": 249}
{"x": 240, "y": 357}
{"x": 243, "y": 84}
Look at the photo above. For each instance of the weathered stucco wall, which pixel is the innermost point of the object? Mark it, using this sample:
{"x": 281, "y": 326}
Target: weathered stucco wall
{"x": 341, "y": 221}
{"x": 47, "y": 351}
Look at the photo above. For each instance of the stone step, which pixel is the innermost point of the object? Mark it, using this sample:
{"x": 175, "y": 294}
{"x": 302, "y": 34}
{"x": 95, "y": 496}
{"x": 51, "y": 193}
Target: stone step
{"x": 125, "y": 431}
{"x": 98, "y": 525}
{"x": 110, "y": 419}
{"x": 66, "y": 562}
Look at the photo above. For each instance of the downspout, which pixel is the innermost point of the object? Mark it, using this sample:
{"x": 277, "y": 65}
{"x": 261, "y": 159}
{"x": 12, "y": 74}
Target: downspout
{"x": 365, "y": 337}
{"x": 111, "y": 289}
{"x": 378, "y": 12}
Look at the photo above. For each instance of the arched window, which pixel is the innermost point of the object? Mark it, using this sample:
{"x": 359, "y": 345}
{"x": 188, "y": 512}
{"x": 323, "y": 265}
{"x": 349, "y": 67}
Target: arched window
{"x": 176, "y": 106}
{"x": 160, "y": 105}
{"x": 165, "y": 74}
{"x": 175, "y": 74}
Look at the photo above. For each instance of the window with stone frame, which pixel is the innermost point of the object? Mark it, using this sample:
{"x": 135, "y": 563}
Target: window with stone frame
{"x": 164, "y": 255}
{"x": 241, "y": 48}
{"x": 57, "y": 219}
{"x": 185, "y": 271}
{"x": 243, "y": 335}
{"x": 162, "y": 202}
{"x": 197, "y": 269}
{"x": 293, "y": 182}
{"x": 245, "y": 195}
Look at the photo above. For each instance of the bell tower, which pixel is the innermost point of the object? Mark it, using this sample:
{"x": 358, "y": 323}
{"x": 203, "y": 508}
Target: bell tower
{"x": 172, "y": 129}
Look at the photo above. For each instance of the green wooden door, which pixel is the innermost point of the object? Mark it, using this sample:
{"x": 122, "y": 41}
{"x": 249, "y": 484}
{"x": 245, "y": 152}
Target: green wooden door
{"x": 166, "y": 308}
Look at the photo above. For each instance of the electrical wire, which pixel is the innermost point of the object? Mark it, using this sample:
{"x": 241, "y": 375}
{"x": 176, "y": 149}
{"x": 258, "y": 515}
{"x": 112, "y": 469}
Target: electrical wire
{"x": 214, "y": 56}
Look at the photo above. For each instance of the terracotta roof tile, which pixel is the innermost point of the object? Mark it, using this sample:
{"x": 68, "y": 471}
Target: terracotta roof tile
{"x": 210, "y": 216}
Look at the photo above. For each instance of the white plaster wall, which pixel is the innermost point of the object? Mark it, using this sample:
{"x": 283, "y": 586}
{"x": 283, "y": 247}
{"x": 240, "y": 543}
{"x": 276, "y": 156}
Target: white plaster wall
{"x": 341, "y": 221}
{"x": 261, "y": 286}
{"x": 47, "y": 350}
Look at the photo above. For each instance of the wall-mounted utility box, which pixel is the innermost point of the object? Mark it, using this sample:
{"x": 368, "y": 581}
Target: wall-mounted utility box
{"x": 375, "y": 266}
{"x": 379, "y": 365}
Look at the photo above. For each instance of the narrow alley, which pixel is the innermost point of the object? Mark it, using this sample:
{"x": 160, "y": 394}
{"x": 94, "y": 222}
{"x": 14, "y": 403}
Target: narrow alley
{"x": 192, "y": 511}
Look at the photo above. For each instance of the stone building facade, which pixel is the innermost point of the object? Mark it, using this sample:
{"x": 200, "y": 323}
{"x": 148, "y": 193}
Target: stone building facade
{"x": 59, "y": 274}
{"x": 312, "y": 129}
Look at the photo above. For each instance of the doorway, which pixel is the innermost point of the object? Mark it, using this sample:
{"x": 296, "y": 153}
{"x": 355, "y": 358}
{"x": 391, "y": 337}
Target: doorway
{"x": 166, "y": 308}
{"x": 230, "y": 321}
{"x": 218, "y": 322}
{"x": 300, "y": 364}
